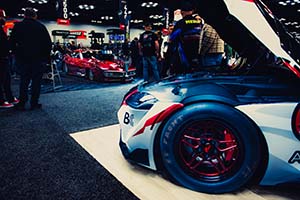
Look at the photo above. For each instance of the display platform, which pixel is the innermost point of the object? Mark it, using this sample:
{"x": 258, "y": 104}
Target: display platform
{"x": 102, "y": 144}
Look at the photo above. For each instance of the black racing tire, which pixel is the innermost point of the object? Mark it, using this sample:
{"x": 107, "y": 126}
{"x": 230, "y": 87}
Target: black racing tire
{"x": 65, "y": 68}
{"x": 211, "y": 148}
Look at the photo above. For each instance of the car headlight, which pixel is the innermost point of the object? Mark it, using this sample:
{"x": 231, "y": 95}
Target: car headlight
{"x": 141, "y": 100}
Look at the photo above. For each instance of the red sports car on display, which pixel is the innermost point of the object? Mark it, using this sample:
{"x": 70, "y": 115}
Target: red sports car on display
{"x": 97, "y": 65}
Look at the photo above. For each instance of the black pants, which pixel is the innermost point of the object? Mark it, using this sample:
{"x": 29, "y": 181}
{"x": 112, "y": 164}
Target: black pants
{"x": 30, "y": 72}
{"x": 5, "y": 88}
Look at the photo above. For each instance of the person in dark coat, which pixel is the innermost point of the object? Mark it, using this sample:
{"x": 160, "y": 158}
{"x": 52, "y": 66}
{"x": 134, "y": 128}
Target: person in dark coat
{"x": 32, "y": 46}
{"x": 6, "y": 97}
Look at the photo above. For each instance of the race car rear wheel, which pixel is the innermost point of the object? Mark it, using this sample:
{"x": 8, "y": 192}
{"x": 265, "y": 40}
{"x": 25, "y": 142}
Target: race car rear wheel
{"x": 210, "y": 148}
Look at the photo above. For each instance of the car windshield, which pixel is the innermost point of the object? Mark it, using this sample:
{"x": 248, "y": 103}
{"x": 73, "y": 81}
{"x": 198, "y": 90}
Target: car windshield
{"x": 289, "y": 43}
{"x": 87, "y": 55}
{"x": 101, "y": 56}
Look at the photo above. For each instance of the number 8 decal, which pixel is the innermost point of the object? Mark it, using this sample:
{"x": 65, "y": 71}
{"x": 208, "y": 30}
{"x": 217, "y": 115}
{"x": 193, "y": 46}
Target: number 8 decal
{"x": 126, "y": 118}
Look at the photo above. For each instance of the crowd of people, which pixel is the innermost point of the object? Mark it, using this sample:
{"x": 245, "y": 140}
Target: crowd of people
{"x": 187, "y": 45}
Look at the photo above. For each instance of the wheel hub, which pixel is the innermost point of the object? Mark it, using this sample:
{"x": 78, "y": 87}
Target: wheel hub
{"x": 208, "y": 151}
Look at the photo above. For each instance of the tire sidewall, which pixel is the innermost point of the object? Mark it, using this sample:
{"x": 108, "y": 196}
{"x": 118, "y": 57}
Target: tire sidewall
{"x": 246, "y": 134}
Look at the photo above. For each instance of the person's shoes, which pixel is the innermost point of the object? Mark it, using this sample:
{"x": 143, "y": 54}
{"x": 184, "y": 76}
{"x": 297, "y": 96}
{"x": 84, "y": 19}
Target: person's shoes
{"x": 36, "y": 106}
{"x": 5, "y": 104}
{"x": 15, "y": 101}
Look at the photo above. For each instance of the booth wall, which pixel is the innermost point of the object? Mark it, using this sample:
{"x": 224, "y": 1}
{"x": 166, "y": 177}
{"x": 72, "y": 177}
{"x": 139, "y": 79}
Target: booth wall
{"x": 51, "y": 25}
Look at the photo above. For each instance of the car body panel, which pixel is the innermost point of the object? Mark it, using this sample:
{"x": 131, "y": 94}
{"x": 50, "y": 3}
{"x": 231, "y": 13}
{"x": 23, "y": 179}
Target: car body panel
{"x": 281, "y": 141}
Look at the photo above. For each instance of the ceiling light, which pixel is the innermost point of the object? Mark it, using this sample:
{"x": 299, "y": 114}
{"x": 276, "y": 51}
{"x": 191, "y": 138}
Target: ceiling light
{"x": 158, "y": 24}
{"x": 149, "y": 4}
{"x": 38, "y": 1}
{"x": 86, "y": 7}
{"x": 155, "y": 16}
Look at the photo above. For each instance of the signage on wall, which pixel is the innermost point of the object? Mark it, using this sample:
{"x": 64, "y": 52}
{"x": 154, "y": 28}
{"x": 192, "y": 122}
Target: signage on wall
{"x": 8, "y": 26}
{"x": 80, "y": 34}
{"x": 63, "y": 21}
{"x": 60, "y": 32}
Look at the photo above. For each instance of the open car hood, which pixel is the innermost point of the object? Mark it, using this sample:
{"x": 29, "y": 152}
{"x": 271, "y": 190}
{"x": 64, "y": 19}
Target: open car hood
{"x": 251, "y": 29}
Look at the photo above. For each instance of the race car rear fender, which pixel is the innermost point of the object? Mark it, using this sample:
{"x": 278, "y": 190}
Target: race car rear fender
{"x": 274, "y": 121}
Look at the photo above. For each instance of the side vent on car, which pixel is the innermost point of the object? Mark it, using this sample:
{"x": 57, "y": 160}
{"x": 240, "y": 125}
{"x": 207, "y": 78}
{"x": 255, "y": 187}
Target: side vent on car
{"x": 296, "y": 121}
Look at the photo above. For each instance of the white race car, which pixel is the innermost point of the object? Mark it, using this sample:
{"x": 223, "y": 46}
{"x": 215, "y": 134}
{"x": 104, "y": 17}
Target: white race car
{"x": 217, "y": 132}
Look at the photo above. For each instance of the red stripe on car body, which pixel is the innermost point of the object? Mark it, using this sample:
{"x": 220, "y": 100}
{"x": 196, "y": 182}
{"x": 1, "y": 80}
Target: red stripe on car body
{"x": 159, "y": 117}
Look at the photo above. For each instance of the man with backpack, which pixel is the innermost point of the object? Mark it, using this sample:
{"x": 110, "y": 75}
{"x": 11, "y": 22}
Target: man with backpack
{"x": 149, "y": 51}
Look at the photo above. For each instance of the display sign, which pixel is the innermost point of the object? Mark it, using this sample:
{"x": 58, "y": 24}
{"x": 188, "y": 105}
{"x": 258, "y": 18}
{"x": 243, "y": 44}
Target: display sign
{"x": 167, "y": 17}
{"x": 80, "y": 34}
{"x": 9, "y": 25}
{"x": 62, "y": 12}
{"x": 117, "y": 38}
{"x": 60, "y": 32}
{"x": 62, "y": 9}
{"x": 63, "y": 21}
{"x": 122, "y": 27}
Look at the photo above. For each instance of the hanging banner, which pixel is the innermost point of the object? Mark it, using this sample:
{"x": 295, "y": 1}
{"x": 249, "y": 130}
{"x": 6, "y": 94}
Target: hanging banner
{"x": 167, "y": 17}
{"x": 125, "y": 17}
{"x": 62, "y": 12}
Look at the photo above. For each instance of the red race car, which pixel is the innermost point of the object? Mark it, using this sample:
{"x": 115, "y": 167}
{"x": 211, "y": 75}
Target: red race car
{"x": 97, "y": 65}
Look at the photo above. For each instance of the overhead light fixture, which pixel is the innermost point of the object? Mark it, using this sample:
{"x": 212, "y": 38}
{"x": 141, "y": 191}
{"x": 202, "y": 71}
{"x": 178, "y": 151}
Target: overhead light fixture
{"x": 149, "y": 4}
{"x": 136, "y": 21}
{"x": 74, "y": 14}
{"x": 158, "y": 24}
{"x": 38, "y": 1}
{"x": 96, "y": 21}
{"x": 86, "y": 7}
{"x": 107, "y": 18}
{"x": 155, "y": 16}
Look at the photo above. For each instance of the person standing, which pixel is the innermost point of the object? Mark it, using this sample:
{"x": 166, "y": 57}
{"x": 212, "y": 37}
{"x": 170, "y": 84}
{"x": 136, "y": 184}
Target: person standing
{"x": 211, "y": 48}
{"x": 32, "y": 46}
{"x": 165, "y": 53}
{"x": 7, "y": 100}
{"x": 135, "y": 56}
{"x": 185, "y": 40}
{"x": 149, "y": 51}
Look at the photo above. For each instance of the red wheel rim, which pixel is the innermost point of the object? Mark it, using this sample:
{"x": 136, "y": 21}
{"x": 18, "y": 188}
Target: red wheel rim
{"x": 209, "y": 150}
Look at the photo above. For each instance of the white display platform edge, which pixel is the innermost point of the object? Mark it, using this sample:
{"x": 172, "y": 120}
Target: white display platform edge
{"x": 102, "y": 144}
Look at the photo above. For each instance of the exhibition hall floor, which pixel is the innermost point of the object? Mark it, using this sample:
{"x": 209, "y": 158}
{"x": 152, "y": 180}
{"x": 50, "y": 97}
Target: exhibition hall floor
{"x": 69, "y": 150}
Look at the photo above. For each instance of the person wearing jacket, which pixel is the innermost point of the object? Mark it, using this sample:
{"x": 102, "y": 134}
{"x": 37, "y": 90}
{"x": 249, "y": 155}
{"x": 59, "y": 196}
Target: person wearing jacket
{"x": 211, "y": 47}
{"x": 185, "y": 38}
{"x": 32, "y": 46}
{"x": 6, "y": 97}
